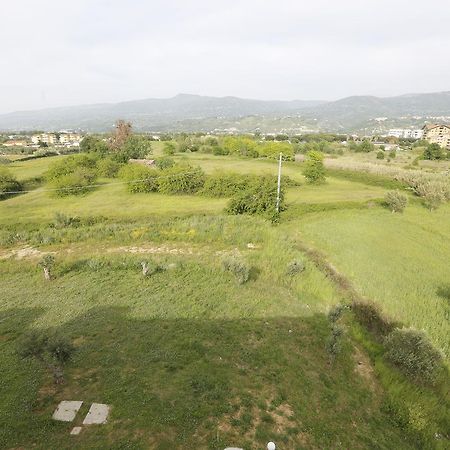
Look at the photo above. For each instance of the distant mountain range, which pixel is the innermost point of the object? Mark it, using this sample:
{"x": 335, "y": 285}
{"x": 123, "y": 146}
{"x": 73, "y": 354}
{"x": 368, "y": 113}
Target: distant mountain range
{"x": 186, "y": 112}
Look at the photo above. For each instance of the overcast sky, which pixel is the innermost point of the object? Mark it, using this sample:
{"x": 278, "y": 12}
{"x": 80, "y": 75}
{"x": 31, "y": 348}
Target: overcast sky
{"x": 59, "y": 52}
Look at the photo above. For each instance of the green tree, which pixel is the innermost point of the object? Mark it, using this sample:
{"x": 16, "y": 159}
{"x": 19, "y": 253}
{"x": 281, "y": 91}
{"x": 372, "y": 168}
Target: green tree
{"x": 314, "y": 169}
{"x": 258, "y": 198}
{"x": 134, "y": 147}
{"x": 8, "y": 183}
{"x": 183, "y": 179}
{"x": 433, "y": 152}
{"x": 93, "y": 144}
{"x": 169, "y": 148}
{"x": 273, "y": 150}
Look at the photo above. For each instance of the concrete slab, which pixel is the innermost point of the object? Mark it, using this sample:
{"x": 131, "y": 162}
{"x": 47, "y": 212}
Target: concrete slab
{"x": 97, "y": 414}
{"x": 67, "y": 410}
{"x": 234, "y": 448}
{"x": 75, "y": 431}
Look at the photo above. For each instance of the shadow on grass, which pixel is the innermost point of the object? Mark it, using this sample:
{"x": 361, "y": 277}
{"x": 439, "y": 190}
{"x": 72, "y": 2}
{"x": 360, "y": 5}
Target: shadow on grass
{"x": 192, "y": 383}
{"x": 444, "y": 291}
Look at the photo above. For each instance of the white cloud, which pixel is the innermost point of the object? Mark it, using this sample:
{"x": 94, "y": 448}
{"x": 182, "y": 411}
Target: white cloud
{"x": 59, "y": 53}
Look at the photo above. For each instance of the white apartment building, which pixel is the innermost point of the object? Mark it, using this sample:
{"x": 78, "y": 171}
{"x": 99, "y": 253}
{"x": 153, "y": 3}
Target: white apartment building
{"x": 406, "y": 133}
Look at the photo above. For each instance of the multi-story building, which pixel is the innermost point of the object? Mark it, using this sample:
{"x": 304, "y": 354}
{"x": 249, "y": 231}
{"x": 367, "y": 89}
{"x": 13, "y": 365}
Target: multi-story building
{"x": 70, "y": 139}
{"x": 437, "y": 134}
{"x": 44, "y": 138}
{"x": 406, "y": 133}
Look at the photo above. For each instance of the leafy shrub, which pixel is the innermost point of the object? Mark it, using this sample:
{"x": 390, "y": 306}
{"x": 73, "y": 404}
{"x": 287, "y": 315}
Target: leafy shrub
{"x": 411, "y": 351}
{"x": 259, "y": 198}
{"x": 93, "y": 145}
{"x": 226, "y": 184}
{"x": 217, "y": 150}
{"x": 273, "y": 150}
{"x": 183, "y": 179}
{"x": 380, "y": 154}
{"x": 369, "y": 315}
{"x": 396, "y": 201}
{"x": 336, "y": 312}
{"x": 334, "y": 342}
{"x": 134, "y": 147}
{"x": 237, "y": 267}
{"x": 108, "y": 167}
{"x": 139, "y": 178}
{"x": 53, "y": 351}
{"x": 314, "y": 169}
{"x": 8, "y": 183}
{"x": 169, "y": 148}
{"x": 294, "y": 267}
{"x": 78, "y": 182}
{"x": 164, "y": 163}
{"x": 62, "y": 220}
{"x": 47, "y": 261}
{"x": 242, "y": 146}
{"x": 74, "y": 175}
{"x": 150, "y": 268}
{"x": 70, "y": 164}
{"x": 364, "y": 147}
{"x": 433, "y": 152}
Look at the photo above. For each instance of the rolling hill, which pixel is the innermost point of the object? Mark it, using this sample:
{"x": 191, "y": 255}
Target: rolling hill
{"x": 186, "y": 112}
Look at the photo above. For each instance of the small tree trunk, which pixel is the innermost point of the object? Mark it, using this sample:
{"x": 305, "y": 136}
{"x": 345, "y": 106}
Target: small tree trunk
{"x": 47, "y": 273}
{"x": 144, "y": 268}
{"x": 58, "y": 375}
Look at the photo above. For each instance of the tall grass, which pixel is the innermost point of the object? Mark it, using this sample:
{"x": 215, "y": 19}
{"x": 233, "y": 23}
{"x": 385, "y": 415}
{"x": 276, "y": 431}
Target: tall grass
{"x": 433, "y": 187}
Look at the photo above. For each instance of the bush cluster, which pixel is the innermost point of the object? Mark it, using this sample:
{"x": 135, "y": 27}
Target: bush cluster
{"x": 178, "y": 179}
{"x": 8, "y": 183}
{"x": 369, "y": 315}
{"x": 140, "y": 178}
{"x": 227, "y": 184}
{"x": 108, "y": 167}
{"x": 237, "y": 267}
{"x": 246, "y": 146}
{"x": 259, "y": 198}
{"x": 411, "y": 351}
{"x": 314, "y": 169}
{"x": 334, "y": 341}
{"x": 74, "y": 175}
{"x": 183, "y": 179}
{"x": 396, "y": 201}
{"x": 294, "y": 267}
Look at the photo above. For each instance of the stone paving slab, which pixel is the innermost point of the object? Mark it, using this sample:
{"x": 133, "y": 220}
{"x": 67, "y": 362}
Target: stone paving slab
{"x": 67, "y": 410}
{"x": 98, "y": 414}
{"x": 75, "y": 431}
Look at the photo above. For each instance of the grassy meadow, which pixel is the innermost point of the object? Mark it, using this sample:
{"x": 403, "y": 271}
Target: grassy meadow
{"x": 189, "y": 358}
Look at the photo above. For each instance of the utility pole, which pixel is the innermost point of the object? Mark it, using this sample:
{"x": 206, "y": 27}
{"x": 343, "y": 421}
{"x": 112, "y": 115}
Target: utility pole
{"x": 279, "y": 183}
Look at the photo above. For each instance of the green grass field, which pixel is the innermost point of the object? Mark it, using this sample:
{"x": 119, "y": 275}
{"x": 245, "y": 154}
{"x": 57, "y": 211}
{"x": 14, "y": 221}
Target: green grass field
{"x": 188, "y": 358}
{"x": 399, "y": 260}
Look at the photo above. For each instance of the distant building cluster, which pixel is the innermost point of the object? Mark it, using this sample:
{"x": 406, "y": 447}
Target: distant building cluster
{"x": 437, "y": 134}
{"x": 405, "y": 133}
{"x": 62, "y": 139}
